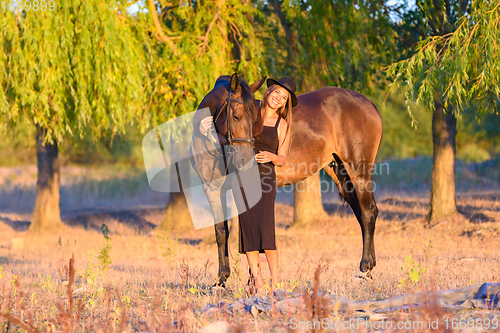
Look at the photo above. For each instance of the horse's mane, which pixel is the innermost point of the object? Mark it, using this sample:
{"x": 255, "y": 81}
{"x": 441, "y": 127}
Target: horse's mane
{"x": 223, "y": 79}
{"x": 227, "y": 79}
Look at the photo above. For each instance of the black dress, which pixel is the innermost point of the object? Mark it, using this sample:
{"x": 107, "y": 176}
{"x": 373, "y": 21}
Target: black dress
{"x": 257, "y": 225}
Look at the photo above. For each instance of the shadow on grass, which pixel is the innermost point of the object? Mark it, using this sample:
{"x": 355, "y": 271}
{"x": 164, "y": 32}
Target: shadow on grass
{"x": 494, "y": 196}
{"x": 4, "y": 261}
{"x": 395, "y": 212}
{"x": 188, "y": 241}
{"x": 474, "y": 217}
{"x": 338, "y": 209}
{"x": 114, "y": 191}
{"x": 94, "y": 220}
{"x": 16, "y": 225}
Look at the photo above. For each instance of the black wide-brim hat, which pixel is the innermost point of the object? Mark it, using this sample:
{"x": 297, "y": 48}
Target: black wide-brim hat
{"x": 288, "y": 84}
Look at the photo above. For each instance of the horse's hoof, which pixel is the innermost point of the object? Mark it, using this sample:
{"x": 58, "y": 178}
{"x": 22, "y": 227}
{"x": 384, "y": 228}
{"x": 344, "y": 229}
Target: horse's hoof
{"x": 251, "y": 291}
{"x": 217, "y": 290}
{"x": 220, "y": 284}
{"x": 363, "y": 276}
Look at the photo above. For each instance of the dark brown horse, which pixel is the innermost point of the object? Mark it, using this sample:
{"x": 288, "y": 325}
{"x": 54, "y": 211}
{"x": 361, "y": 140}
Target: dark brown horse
{"x": 333, "y": 128}
{"x": 233, "y": 107}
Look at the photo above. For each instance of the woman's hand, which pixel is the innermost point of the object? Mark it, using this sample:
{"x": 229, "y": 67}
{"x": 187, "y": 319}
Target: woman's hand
{"x": 265, "y": 156}
{"x": 206, "y": 124}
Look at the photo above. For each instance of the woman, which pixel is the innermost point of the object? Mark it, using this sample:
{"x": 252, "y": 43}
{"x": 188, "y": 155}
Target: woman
{"x": 257, "y": 225}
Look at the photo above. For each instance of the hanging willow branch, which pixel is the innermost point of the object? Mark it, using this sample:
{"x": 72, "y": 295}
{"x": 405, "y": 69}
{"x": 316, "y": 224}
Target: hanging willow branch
{"x": 463, "y": 66}
{"x": 161, "y": 35}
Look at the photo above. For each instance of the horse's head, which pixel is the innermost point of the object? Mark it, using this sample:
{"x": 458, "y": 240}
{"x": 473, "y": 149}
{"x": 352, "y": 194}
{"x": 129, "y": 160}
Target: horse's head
{"x": 237, "y": 117}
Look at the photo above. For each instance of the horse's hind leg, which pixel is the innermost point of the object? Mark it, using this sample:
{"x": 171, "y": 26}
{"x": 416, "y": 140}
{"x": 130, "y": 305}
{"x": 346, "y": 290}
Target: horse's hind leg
{"x": 369, "y": 212}
{"x": 355, "y": 185}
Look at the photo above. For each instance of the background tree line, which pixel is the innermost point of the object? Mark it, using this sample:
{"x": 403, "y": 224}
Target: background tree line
{"x": 88, "y": 79}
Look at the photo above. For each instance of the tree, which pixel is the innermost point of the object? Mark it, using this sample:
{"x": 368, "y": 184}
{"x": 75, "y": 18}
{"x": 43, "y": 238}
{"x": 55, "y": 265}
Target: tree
{"x": 75, "y": 67}
{"x": 456, "y": 66}
{"x": 308, "y": 208}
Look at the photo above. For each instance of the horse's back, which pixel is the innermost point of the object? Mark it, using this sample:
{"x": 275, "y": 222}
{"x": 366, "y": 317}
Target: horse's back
{"x": 337, "y": 101}
{"x": 336, "y": 120}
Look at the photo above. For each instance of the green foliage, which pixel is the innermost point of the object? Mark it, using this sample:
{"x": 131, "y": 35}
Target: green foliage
{"x": 105, "y": 231}
{"x": 478, "y": 137}
{"x": 18, "y": 145}
{"x": 207, "y": 39}
{"x": 78, "y": 79}
{"x": 339, "y": 43}
{"x": 459, "y": 64}
{"x": 168, "y": 246}
{"x": 121, "y": 149}
{"x": 400, "y": 139}
{"x": 104, "y": 256}
{"x": 14, "y": 281}
{"x": 48, "y": 284}
{"x": 237, "y": 275}
{"x": 74, "y": 68}
{"x": 477, "y": 140}
{"x": 414, "y": 271}
{"x": 91, "y": 274}
{"x": 473, "y": 153}
{"x": 404, "y": 174}
{"x": 93, "y": 292}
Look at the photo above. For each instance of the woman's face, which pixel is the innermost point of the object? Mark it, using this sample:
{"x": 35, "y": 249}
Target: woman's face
{"x": 277, "y": 98}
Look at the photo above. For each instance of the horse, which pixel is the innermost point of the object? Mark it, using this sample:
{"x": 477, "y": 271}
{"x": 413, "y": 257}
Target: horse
{"x": 233, "y": 106}
{"x": 333, "y": 128}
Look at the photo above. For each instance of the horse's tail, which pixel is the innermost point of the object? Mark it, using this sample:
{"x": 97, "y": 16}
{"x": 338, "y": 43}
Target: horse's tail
{"x": 347, "y": 191}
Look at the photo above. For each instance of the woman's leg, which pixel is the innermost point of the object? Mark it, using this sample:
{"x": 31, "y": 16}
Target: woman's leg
{"x": 272, "y": 260}
{"x": 253, "y": 263}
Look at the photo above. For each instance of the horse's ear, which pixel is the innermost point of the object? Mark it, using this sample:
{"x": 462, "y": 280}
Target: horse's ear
{"x": 256, "y": 86}
{"x": 234, "y": 83}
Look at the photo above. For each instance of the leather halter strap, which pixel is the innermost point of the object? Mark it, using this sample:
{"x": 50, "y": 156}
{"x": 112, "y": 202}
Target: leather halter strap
{"x": 229, "y": 138}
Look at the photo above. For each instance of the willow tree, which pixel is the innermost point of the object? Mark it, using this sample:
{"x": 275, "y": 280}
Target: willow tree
{"x": 328, "y": 43}
{"x": 457, "y": 66}
{"x": 191, "y": 44}
{"x": 63, "y": 70}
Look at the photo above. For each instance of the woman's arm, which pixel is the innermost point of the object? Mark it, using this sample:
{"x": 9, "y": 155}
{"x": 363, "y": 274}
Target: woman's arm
{"x": 279, "y": 160}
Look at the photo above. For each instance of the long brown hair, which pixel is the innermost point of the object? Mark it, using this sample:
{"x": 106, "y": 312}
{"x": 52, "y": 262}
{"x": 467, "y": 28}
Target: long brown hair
{"x": 284, "y": 112}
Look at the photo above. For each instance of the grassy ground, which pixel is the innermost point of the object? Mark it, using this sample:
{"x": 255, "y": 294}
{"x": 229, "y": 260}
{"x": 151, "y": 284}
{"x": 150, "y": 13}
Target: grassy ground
{"x": 145, "y": 279}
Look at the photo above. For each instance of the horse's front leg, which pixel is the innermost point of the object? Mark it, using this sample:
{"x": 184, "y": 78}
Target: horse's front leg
{"x": 222, "y": 236}
{"x": 217, "y": 201}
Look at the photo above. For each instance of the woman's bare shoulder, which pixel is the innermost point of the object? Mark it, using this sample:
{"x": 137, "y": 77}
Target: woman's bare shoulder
{"x": 283, "y": 123}
{"x": 282, "y": 127}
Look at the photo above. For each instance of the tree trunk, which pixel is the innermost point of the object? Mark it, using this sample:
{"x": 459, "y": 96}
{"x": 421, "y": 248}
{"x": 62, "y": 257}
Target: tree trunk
{"x": 178, "y": 216}
{"x": 444, "y": 129}
{"x": 46, "y": 214}
{"x": 308, "y": 208}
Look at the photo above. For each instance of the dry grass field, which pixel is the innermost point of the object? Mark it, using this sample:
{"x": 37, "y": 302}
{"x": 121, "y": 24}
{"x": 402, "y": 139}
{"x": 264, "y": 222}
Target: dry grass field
{"x": 146, "y": 279}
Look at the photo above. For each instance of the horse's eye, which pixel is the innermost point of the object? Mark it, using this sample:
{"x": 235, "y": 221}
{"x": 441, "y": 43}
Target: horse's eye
{"x": 236, "y": 118}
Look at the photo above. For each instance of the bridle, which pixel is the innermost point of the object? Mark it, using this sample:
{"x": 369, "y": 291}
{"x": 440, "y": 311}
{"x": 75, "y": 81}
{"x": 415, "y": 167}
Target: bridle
{"x": 229, "y": 134}
{"x": 231, "y": 150}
